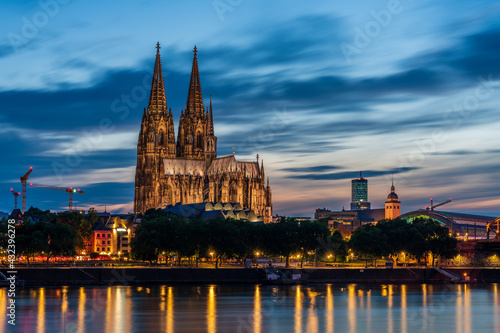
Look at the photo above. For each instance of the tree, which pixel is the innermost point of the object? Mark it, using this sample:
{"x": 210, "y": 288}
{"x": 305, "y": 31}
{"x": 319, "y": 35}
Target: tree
{"x": 337, "y": 245}
{"x": 223, "y": 238}
{"x": 61, "y": 240}
{"x": 146, "y": 243}
{"x": 416, "y": 238}
{"x": 82, "y": 226}
{"x": 369, "y": 242}
{"x": 31, "y": 239}
{"x": 52, "y": 238}
{"x": 282, "y": 238}
{"x": 311, "y": 236}
{"x": 197, "y": 240}
{"x": 34, "y": 214}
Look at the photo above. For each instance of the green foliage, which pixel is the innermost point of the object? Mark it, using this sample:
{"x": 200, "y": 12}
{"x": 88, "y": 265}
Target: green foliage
{"x": 62, "y": 240}
{"x": 53, "y": 239}
{"x": 146, "y": 244}
{"x": 282, "y": 238}
{"x": 337, "y": 247}
{"x": 224, "y": 238}
{"x": 82, "y": 226}
{"x": 391, "y": 237}
{"x": 34, "y": 214}
{"x": 92, "y": 216}
{"x": 370, "y": 242}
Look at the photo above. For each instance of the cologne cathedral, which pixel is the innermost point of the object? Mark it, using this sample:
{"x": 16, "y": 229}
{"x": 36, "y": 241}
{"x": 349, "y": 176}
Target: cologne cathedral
{"x": 188, "y": 171}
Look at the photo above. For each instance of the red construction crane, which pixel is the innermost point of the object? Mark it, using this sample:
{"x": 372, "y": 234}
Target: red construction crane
{"x": 23, "y": 182}
{"x": 432, "y": 206}
{"x": 68, "y": 190}
{"x": 16, "y": 194}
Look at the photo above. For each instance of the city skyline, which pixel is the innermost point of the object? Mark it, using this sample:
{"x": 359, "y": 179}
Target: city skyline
{"x": 317, "y": 90}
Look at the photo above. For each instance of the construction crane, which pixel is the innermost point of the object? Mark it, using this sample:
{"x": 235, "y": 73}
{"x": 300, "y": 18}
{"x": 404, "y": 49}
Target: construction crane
{"x": 432, "y": 206}
{"x": 68, "y": 190}
{"x": 23, "y": 182}
{"x": 16, "y": 194}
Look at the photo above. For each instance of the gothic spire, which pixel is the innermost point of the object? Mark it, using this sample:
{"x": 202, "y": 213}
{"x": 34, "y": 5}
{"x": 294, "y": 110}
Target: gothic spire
{"x": 194, "y": 103}
{"x": 210, "y": 127}
{"x": 157, "y": 100}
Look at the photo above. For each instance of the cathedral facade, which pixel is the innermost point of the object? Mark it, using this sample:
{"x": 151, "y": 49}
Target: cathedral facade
{"x": 188, "y": 171}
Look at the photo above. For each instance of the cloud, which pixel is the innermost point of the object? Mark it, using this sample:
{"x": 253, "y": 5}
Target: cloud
{"x": 462, "y": 152}
{"x": 352, "y": 174}
{"x": 92, "y": 176}
{"x": 90, "y": 143}
{"x": 318, "y": 168}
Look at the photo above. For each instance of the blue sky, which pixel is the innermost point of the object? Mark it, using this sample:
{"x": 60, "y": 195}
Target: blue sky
{"x": 320, "y": 90}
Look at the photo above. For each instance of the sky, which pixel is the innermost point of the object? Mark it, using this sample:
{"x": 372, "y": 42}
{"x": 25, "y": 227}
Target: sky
{"x": 404, "y": 90}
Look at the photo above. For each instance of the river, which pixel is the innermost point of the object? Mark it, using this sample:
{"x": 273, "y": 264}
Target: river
{"x": 256, "y": 308}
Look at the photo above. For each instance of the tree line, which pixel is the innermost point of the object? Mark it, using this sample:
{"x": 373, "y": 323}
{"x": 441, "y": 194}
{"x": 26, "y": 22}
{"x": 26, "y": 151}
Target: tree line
{"x": 50, "y": 234}
{"x": 161, "y": 232}
{"x": 419, "y": 238}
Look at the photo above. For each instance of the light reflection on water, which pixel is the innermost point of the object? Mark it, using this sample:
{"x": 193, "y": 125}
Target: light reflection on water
{"x": 257, "y": 308}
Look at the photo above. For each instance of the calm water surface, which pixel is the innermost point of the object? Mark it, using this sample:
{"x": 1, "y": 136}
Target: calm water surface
{"x": 257, "y": 308}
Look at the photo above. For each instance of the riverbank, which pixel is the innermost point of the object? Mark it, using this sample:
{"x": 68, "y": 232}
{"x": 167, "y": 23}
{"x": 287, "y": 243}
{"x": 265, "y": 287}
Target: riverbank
{"x": 154, "y": 275}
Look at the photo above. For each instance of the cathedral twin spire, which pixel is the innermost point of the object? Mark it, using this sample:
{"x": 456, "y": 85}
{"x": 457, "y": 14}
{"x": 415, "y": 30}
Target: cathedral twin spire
{"x": 157, "y": 100}
{"x": 195, "y": 125}
{"x": 194, "y": 104}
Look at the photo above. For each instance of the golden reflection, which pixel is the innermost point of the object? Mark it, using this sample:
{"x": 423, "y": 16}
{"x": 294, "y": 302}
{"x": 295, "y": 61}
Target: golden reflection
{"x": 109, "y": 316}
{"x": 41, "y": 311}
{"x": 118, "y": 314}
{"x": 312, "y": 316}
{"x": 467, "y": 310}
{"x": 390, "y": 325}
{"x": 368, "y": 311}
{"x": 403, "y": 309}
{"x": 496, "y": 307}
{"x": 170, "y": 310}
{"x": 361, "y": 298}
{"x": 459, "y": 310}
{"x": 64, "y": 307}
{"x": 211, "y": 311}
{"x": 81, "y": 310}
{"x": 162, "y": 298}
{"x": 351, "y": 307}
{"x": 126, "y": 317}
{"x": 3, "y": 309}
{"x": 384, "y": 290}
{"x": 257, "y": 311}
{"x": 298, "y": 310}
{"x": 329, "y": 310}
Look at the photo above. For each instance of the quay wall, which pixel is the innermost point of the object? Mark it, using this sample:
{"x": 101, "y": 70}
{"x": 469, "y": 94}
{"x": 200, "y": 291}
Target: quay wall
{"x": 154, "y": 275}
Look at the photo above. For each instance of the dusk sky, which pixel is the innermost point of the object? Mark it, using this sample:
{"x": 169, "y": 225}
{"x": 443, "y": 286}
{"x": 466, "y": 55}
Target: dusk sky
{"x": 319, "y": 89}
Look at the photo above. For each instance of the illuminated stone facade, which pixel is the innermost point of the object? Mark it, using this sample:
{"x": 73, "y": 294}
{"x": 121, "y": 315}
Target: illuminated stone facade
{"x": 188, "y": 171}
{"x": 392, "y": 205}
